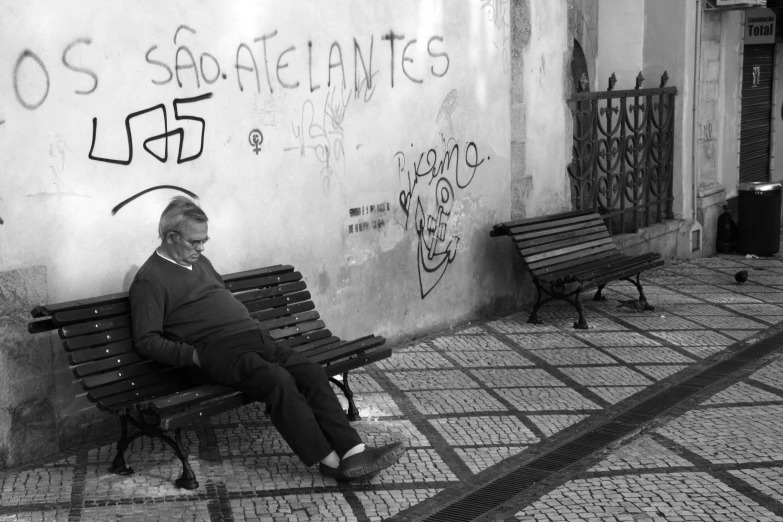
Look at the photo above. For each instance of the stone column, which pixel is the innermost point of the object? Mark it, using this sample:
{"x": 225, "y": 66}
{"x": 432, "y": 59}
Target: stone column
{"x": 28, "y": 427}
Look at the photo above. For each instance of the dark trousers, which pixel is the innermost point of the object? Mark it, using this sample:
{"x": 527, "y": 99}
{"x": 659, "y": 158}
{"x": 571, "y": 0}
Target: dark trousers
{"x": 299, "y": 398}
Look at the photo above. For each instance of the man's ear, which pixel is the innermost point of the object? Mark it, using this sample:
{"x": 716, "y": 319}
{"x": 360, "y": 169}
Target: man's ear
{"x": 170, "y": 237}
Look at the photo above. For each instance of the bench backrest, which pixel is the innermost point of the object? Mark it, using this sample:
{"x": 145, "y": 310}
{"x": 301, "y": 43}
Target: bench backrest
{"x": 97, "y": 335}
{"x": 550, "y": 244}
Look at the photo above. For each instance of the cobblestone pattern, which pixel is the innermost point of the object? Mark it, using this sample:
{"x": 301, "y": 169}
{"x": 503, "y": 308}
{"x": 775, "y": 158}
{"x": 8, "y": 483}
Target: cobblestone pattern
{"x": 477, "y": 397}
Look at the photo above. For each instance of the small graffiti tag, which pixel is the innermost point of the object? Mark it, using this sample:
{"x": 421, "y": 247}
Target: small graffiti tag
{"x": 256, "y": 138}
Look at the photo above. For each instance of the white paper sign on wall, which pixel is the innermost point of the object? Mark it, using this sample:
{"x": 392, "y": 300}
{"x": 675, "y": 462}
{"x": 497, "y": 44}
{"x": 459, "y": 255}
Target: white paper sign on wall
{"x": 759, "y": 26}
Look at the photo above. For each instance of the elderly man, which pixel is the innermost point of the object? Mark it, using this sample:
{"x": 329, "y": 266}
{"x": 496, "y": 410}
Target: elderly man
{"x": 183, "y": 315}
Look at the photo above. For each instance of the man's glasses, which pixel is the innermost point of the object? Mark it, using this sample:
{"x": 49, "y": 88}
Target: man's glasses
{"x": 194, "y": 243}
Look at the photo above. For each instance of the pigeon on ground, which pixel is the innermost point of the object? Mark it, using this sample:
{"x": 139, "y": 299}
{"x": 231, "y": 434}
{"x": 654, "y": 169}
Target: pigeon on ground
{"x": 741, "y": 276}
{"x": 636, "y": 304}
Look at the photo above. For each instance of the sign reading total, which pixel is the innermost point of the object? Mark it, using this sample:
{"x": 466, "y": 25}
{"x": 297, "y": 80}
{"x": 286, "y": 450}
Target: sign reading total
{"x": 759, "y": 26}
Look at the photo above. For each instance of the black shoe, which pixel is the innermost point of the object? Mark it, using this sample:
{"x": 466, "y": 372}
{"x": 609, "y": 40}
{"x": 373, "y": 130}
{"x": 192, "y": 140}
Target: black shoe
{"x": 367, "y": 464}
{"x": 328, "y": 471}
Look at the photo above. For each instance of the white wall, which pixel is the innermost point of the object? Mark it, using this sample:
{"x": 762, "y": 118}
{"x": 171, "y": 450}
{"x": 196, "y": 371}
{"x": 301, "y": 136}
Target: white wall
{"x": 331, "y": 144}
{"x": 621, "y": 32}
{"x": 547, "y": 64}
{"x": 669, "y": 44}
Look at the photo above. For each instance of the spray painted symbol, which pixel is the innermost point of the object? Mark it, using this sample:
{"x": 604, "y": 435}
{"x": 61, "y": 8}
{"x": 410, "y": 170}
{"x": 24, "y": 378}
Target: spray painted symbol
{"x": 256, "y": 139}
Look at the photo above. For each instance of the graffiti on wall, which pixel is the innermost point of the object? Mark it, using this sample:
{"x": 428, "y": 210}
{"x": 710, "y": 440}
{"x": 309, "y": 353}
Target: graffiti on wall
{"x": 274, "y": 61}
{"x": 429, "y": 201}
{"x": 498, "y": 13}
{"x": 269, "y": 63}
{"x": 165, "y": 135}
{"x": 159, "y": 187}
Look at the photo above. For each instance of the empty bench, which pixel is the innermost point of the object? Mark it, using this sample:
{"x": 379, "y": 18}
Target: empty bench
{"x": 156, "y": 398}
{"x": 570, "y": 252}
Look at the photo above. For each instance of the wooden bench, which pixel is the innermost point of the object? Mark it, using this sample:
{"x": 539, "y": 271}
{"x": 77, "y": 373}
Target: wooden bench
{"x": 156, "y": 398}
{"x": 570, "y": 252}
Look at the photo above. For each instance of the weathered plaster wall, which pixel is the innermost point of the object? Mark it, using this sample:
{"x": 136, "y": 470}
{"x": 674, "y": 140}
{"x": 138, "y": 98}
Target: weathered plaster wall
{"x": 547, "y": 131}
{"x": 28, "y": 425}
{"x": 709, "y": 100}
{"x": 727, "y": 165}
{"x": 583, "y": 27}
{"x": 669, "y": 41}
{"x": 621, "y": 41}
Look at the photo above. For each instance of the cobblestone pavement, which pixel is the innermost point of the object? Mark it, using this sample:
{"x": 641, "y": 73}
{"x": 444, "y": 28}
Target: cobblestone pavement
{"x": 477, "y": 401}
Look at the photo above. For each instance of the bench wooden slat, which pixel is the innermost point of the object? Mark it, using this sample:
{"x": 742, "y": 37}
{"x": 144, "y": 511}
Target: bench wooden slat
{"x": 101, "y": 325}
{"x": 129, "y": 372}
{"x": 185, "y": 398}
{"x": 304, "y": 348}
{"x": 346, "y": 350}
{"x": 204, "y": 411}
{"x": 563, "y": 233}
{"x": 288, "y": 320}
{"x": 148, "y": 403}
{"x": 555, "y": 265}
{"x": 249, "y": 274}
{"x": 96, "y": 354}
{"x": 307, "y": 337}
{"x": 246, "y": 284}
{"x": 45, "y": 325}
{"x": 296, "y": 330}
{"x": 268, "y": 314}
{"x": 614, "y": 275}
{"x": 520, "y": 235}
{"x": 546, "y": 218}
{"x": 359, "y": 361}
{"x": 590, "y": 272}
{"x": 545, "y": 265}
{"x": 544, "y": 225}
{"x": 317, "y": 351}
{"x": 591, "y": 263}
{"x": 52, "y": 309}
{"x": 635, "y": 265}
{"x": 523, "y": 234}
{"x": 559, "y": 245}
{"x": 166, "y": 374}
{"x": 569, "y": 250}
{"x": 93, "y": 312}
{"x": 140, "y": 394}
{"x": 260, "y": 293}
{"x": 104, "y": 300}
{"x": 110, "y": 363}
{"x": 90, "y": 341}
{"x": 274, "y": 302}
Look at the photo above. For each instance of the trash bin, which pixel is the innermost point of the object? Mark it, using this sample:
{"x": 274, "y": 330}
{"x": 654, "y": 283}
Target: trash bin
{"x": 758, "y": 227}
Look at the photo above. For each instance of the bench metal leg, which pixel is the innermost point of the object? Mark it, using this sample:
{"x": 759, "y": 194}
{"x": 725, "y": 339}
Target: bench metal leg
{"x": 353, "y": 411}
{"x": 581, "y": 324}
{"x": 533, "y": 319}
{"x": 598, "y": 296}
{"x": 558, "y": 293}
{"x": 187, "y": 479}
{"x": 118, "y": 466}
{"x": 638, "y": 286}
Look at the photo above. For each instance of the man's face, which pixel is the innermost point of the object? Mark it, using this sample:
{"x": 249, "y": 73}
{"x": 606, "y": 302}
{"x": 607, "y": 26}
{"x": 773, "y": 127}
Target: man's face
{"x": 186, "y": 247}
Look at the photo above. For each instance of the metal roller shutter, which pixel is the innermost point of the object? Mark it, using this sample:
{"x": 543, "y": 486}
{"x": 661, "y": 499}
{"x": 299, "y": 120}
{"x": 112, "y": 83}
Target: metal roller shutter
{"x": 756, "y": 125}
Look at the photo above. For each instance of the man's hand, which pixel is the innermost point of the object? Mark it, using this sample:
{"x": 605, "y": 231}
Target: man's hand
{"x": 195, "y": 359}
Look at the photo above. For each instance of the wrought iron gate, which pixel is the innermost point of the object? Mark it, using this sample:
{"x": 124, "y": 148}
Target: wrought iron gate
{"x": 622, "y": 154}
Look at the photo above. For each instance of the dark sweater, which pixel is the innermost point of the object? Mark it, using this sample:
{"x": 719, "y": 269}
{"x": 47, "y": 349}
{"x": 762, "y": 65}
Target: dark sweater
{"x": 173, "y": 309}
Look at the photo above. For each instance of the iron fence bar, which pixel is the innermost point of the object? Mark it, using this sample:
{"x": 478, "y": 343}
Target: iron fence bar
{"x": 622, "y": 163}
